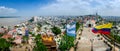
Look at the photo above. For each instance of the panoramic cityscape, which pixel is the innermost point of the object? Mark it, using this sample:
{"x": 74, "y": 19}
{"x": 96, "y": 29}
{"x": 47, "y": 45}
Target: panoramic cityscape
{"x": 59, "y": 25}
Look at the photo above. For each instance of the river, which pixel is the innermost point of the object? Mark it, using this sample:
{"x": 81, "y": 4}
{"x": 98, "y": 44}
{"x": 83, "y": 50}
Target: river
{"x": 12, "y": 21}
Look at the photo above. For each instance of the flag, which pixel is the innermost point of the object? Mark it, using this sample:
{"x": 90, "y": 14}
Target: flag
{"x": 26, "y": 32}
{"x": 71, "y": 29}
{"x": 102, "y": 29}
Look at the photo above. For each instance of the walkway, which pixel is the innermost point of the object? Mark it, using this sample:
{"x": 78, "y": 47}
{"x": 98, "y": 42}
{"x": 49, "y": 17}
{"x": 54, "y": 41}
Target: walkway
{"x": 23, "y": 48}
{"x": 85, "y": 43}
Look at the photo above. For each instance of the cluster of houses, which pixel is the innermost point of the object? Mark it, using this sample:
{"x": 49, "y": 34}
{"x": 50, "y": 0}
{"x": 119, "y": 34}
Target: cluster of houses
{"x": 28, "y": 28}
{"x": 15, "y": 32}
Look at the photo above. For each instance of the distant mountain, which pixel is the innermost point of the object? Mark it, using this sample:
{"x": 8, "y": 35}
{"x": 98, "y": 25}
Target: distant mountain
{"x": 9, "y": 16}
{"x": 111, "y": 18}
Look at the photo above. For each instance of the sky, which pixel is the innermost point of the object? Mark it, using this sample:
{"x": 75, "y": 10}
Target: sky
{"x": 59, "y": 7}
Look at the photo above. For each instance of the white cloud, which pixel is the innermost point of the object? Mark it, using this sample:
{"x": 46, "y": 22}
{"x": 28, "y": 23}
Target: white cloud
{"x": 82, "y": 7}
{"x": 4, "y": 10}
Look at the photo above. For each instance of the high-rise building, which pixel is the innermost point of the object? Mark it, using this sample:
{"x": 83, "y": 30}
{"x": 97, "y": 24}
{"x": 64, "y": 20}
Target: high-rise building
{"x": 35, "y": 18}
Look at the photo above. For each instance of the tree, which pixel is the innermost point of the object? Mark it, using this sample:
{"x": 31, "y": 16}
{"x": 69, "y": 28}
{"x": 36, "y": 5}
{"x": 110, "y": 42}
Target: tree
{"x": 32, "y": 19}
{"x": 39, "y": 24}
{"x": 66, "y": 43}
{"x": 39, "y": 44}
{"x": 4, "y": 45}
{"x": 56, "y": 30}
{"x": 1, "y": 35}
{"x": 77, "y": 26}
{"x": 25, "y": 39}
{"x": 38, "y": 37}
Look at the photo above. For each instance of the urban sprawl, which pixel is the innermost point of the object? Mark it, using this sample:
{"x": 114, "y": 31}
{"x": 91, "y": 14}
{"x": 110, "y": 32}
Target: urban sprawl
{"x": 48, "y": 33}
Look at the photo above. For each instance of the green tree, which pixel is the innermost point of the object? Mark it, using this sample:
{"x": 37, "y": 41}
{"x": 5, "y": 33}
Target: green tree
{"x": 39, "y": 24}
{"x": 1, "y": 35}
{"x": 77, "y": 26}
{"x": 39, "y": 45}
{"x": 56, "y": 30}
{"x": 38, "y": 37}
{"x": 32, "y": 19}
{"x": 66, "y": 43}
{"x": 25, "y": 39}
{"x": 4, "y": 45}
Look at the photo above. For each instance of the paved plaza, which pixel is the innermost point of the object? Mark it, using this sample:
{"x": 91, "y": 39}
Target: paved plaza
{"x": 85, "y": 43}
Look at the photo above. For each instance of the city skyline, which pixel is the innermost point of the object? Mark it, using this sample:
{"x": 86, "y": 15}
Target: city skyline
{"x": 59, "y": 7}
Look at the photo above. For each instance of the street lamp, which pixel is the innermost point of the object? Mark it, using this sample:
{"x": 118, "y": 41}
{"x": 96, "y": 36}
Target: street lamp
{"x": 91, "y": 40}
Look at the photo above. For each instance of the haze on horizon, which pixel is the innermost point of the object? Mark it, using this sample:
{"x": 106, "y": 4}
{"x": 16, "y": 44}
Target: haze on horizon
{"x": 59, "y": 7}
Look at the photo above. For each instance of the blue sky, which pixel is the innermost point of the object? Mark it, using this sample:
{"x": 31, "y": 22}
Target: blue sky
{"x": 23, "y": 4}
{"x": 59, "y": 7}
{"x": 22, "y": 7}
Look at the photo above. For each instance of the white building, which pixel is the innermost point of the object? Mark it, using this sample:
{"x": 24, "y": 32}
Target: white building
{"x": 35, "y": 18}
{"x": 91, "y": 22}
